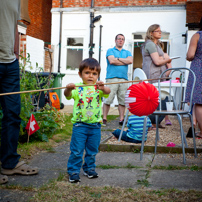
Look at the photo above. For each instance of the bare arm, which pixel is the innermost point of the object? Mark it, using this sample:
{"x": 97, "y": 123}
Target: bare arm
{"x": 121, "y": 61}
{"x": 192, "y": 47}
{"x": 158, "y": 60}
{"x": 16, "y": 45}
{"x": 105, "y": 89}
{"x": 168, "y": 65}
{"x": 68, "y": 89}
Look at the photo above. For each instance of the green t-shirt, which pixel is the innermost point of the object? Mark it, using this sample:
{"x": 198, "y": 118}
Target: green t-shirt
{"x": 87, "y": 104}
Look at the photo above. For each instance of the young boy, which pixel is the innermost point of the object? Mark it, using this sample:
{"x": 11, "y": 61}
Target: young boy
{"x": 135, "y": 129}
{"x": 86, "y": 133}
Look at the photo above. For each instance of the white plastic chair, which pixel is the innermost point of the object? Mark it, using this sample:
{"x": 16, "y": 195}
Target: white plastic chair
{"x": 139, "y": 74}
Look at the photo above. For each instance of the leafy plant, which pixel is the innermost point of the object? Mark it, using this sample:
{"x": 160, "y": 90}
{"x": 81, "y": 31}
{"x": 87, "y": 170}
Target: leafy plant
{"x": 46, "y": 118}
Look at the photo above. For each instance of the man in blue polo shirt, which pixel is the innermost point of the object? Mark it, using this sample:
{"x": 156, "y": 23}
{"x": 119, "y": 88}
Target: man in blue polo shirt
{"x": 118, "y": 60}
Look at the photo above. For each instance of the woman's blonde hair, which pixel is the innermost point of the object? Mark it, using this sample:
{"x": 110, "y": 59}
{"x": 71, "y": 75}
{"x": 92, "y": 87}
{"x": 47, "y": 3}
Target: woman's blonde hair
{"x": 151, "y": 29}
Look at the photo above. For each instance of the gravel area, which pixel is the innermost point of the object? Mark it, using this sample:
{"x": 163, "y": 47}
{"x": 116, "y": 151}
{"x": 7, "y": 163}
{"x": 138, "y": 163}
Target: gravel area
{"x": 169, "y": 134}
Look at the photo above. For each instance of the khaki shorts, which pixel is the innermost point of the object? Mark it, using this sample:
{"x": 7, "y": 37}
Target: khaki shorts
{"x": 116, "y": 89}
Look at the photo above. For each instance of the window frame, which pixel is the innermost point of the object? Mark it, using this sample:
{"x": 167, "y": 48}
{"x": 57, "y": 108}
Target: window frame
{"x": 73, "y": 71}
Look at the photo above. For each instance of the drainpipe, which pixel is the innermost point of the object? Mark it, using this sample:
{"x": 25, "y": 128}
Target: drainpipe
{"x": 60, "y": 35}
{"x": 92, "y": 21}
{"x": 91, "y": 45}
{"x": 100, "y": 43}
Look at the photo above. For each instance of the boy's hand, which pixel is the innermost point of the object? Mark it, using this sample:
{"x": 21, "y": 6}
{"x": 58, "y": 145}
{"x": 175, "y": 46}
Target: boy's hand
{"x": 68, "y": 89}
{"x": 100, "y": 85}
{"x": 70, "y": 86}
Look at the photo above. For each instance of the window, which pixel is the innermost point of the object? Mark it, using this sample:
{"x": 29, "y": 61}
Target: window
{"x": 74, "y": 53}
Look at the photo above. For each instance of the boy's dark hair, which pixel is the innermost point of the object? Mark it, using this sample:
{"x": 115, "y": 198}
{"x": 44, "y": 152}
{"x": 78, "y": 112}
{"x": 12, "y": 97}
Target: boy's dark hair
{"x": 118, "y": 35}
{"x": 91, "y": 63}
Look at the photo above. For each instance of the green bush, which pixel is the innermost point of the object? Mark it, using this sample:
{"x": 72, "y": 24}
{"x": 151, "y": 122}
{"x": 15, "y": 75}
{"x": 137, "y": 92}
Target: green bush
{"x": 46, "y": 117}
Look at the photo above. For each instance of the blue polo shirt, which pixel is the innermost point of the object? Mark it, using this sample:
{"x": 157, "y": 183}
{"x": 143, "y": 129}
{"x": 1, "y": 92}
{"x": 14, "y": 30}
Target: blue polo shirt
{"x": 114, "y": 71}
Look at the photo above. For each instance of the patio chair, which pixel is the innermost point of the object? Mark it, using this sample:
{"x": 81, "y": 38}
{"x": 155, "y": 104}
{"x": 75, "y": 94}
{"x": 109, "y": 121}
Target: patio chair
{"x": 177, "y": 111}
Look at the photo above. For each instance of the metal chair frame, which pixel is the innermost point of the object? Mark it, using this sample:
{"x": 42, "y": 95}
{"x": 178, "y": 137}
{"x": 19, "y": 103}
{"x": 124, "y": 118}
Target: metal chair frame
{"x": 177, "y": 111}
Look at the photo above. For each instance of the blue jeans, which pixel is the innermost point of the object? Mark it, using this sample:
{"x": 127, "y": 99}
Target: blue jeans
{"x": 10, "y": 82}
{"x": 84, "y": 136}
{"x": 124, "y": 136}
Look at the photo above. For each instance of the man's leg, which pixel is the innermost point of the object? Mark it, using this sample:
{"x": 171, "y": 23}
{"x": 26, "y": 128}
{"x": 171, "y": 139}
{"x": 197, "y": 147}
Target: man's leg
{"x": 10, "y": 82}
{"x": 121, "y": 99}
{"x": 109, "y": 100}
{"x": 105, "y": 110}
{"x": 121, "y": 109}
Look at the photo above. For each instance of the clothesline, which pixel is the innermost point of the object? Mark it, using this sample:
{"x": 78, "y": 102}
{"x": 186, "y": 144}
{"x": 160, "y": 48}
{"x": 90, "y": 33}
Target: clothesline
{"x": 57, "y": 88}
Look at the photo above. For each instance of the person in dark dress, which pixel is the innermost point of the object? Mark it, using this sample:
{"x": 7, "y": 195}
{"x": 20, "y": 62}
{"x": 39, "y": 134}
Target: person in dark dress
{"x": 194, "y": 55}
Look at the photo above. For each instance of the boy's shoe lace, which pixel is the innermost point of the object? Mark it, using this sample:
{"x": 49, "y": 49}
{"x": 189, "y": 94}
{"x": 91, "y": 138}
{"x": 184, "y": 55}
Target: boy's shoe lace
{"x": 104, "y": 122}
{"x": 74, "y": 177}
{"x": 91, "y": 174}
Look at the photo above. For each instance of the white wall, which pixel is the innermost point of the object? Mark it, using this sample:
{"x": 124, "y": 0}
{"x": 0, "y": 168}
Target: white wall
{"x": 189, "y": 36}
{"x": 35, "y": 47}
{"x": 77, "y": 24}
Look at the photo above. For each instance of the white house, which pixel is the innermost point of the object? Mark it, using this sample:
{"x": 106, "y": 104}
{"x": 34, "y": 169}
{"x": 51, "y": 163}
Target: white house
{"x": 130, "y": 21}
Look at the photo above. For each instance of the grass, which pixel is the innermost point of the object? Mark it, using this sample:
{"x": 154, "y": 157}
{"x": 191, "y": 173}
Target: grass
{"x": 174, "y": 167}
{"x": 111, "y": 117}
{"x": 64, "y": 191}
{"x": 129, "y": 166}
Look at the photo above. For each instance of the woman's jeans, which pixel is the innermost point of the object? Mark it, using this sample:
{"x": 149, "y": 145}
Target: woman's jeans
{"x": 84, "y": 136}
{"x": 124, "y": 136}
{"x": 10, "y": 82}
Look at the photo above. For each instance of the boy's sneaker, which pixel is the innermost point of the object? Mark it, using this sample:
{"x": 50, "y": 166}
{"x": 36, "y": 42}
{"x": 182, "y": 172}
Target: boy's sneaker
{"x": 73, "y": 178}
{"x": 91, "y": 174}
{"x": 104, "y": 122}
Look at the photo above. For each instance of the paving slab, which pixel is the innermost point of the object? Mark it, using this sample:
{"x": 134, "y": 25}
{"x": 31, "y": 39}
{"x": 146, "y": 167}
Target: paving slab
{"x": 123, "y": 159}
{"x": 6, "y": 195}
{"x": 37, "y": 181}
{"x": 178, "y": 179}
{"x": 51, "y": 161}
{"x": 176, "y": 160}
{"x": 125, "y": 178}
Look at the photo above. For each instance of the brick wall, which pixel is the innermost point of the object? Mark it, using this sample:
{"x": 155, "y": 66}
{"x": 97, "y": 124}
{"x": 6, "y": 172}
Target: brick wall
{"x": 47, "y": 62}
{"x": 113, "y": 3}
{"x": 22, "y": 45}
{"x": 194, "y": 11}
{"x": 40, "y": 15}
